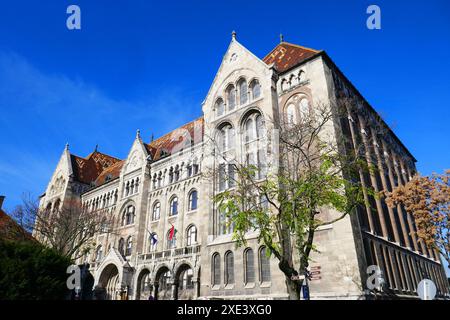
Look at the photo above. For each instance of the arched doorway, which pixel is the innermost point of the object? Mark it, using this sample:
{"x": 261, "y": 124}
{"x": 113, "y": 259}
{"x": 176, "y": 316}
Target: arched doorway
{"x": 162, "y": 284}
{"x": 108, "y": 283}
{"x": 144, "y": 286}
{"x": 184, "y": 279}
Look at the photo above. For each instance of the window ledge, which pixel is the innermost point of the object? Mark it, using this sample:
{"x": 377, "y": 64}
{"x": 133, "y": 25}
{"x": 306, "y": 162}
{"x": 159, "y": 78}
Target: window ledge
{"x": 266, "y": 284}
{"x": 192, "y": 211}
{"x": 249, "y": 285}
{"x": 215, "y": 287}
{"x": 229, "y": 287}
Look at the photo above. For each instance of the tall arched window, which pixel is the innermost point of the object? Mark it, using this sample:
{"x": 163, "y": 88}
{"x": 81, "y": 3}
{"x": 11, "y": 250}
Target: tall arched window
{"x": 191, "y": 235}
{"x": 226, "y": 138}
{"x": 129, "y": 214}
{"x": 129, "y": 246}
{"x": 256, "y": 89}
{"x": 264, "y": 265}
{"x": 156, "y": 212}
{"x": 220, "y": 107}
{"x": 254, "y": 145}
{"x": 122, "y": 246}
{"x": 193, "y": 198}
{"x": 243, "y": 92}
{"x": 99, "y": 253}
{"x": 215, "y": 272}
{"x": 249, "y": 130}
{"x": 229, "y": 268}
{"x": 173, "y": 206}
{"x": 249, "y": 265}
{"x": 231, "y": 97}
{"x": 291, "y": 117}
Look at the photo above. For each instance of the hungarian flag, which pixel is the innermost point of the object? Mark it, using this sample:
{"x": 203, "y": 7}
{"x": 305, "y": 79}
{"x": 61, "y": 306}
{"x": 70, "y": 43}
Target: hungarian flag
{"x": 172, "y": 232}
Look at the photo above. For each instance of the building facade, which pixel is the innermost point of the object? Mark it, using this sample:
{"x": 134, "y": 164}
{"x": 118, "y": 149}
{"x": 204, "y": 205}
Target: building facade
{"x": 171, "y": 242}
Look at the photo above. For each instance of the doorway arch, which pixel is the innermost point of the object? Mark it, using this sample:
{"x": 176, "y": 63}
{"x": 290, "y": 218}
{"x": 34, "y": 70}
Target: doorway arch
{"x": 108, "y": 283}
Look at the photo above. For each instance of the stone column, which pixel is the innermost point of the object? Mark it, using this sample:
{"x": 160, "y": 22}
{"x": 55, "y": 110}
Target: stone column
{"x": 174, "y": 293}
{"x": 373, "y": 180}
{"x": 385, "y": 186}
{"x": 361, "y": 175}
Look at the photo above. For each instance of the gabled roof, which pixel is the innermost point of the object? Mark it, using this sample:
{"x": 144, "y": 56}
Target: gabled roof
{"x": 86, "y": 170}
{"x": 169, "y": 143}
{"x": 110, "y": 173}
{"x": 287, "y": 55}
{"x": 10, "y": 230}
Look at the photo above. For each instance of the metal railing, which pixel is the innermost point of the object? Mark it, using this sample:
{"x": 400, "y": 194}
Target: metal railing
{"x": 176, "y": 252}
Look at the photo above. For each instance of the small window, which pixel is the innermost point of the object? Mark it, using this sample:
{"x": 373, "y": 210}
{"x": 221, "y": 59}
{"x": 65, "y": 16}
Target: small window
{"x": 122, "y": 246}
{"x": 220, "y": 107}
{"x": 229, "y": 268}
{"x": 243, "y": 94}
{"x": 256, "y": 89}
{"x": 191, "y": 235}
{"x": 173, "y": 206}
{"x": 156, "y": 213}
{"x": 264, "y": 265}
{"x": 193, "y": 198}
{"x": 249, "y": 266}
{"x": 231, "y": 97}
{"x": 129, "y": 246}
{"x": 99, "y": 253}
{"x": 215, "y": 272}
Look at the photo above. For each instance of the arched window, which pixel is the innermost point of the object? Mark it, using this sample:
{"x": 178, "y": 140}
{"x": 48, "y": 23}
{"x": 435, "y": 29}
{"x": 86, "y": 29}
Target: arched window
{"x": 249, "y": 266}
{"x": 226, "y": 138}
{"x": 193, "y": 197}
{"x": 229, "y": 268}
{"x": 122, "y": 246}
{"x": 171, "y": 243}
{"x": 301, "y": 76}
{"x": 291, "y": 117}
{"x": 153, "y": 241}
{"x": 156, "y": 212}
{"x": 264, "y": 265}
{"x": 243, "y": 92}
{"x": 215, "y": 272}
{"x": 99, "y": 253}
{"x": 191, "y": 235}
{"x": 249, "y": 130}
{"x": 304, "y": 108}
{"x": 129, "y": 246}
{"x": 129, "y": 215}
{"x": 220, "y": 107}
{"x": 173, "y": 206}
{"x": 231, "y": 97}
{"x": 256, "y": 89}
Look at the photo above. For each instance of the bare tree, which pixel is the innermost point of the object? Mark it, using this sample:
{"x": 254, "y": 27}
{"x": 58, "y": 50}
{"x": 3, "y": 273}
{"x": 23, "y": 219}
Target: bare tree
{"x": 69, "y": 229}
{"x": 315, "y": 183}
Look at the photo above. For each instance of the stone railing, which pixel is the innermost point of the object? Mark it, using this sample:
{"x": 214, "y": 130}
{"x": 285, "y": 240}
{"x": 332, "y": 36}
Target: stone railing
{"x": 170, "y": 253}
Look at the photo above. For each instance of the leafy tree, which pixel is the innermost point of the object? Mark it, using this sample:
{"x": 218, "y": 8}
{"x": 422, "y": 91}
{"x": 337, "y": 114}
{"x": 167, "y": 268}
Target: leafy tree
{"x": 427, "y": 198}
{"x": 315, "y": 183}
{"x": 29, "y": 271}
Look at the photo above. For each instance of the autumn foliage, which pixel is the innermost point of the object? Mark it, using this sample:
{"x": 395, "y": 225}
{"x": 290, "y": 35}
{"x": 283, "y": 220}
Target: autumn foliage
{"x": 427, "y": 198}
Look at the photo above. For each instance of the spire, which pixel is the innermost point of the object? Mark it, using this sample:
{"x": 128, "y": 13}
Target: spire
{"x": 233, "y": 35}
{"x": 138, "y": 134}
{"x": 96, "y": 148}
{"x": 152, "y": 138}
{"x": 67, "y": 146}
{"x": 281, "y": 38}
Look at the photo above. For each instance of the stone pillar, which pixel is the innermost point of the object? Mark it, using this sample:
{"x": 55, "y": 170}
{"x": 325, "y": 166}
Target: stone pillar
{"x": 385, "y": 187}
{"x": 174, "y": 294}
{"x": 373, "y": 180}
{"x": 361, "y": 175}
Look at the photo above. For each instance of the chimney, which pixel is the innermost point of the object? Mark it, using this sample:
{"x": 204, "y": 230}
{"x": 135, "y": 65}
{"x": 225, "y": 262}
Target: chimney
{"x": 1, "y": 201}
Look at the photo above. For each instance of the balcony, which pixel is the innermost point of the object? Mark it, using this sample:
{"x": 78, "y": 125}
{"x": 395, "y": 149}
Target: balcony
{"x": 170, "y": 253}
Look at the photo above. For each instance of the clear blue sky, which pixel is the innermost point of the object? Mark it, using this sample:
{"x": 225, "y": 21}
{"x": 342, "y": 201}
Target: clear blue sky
{"x": 148, "y": 65}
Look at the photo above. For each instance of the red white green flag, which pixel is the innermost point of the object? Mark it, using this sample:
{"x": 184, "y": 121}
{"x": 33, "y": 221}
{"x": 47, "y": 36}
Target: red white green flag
{"x": 172, "y": 232}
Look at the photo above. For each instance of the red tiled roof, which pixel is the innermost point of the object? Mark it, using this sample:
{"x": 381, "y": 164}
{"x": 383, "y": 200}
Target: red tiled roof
{"x": 10, "y": 230}
{"x": 110, "y": 173}
{"x": 88, "y": 169}
{"x": 287, "y": 55}
{"x": 191, "y": 132}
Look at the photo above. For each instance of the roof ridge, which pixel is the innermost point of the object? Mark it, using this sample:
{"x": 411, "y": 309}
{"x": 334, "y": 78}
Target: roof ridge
{"x": 301, "y": 47}
{"x": 170, "y": 132}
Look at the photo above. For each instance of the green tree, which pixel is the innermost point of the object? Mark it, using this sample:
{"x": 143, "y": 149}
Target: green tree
{"x": 315, "y": 183}
{"x": 29, "y": 271}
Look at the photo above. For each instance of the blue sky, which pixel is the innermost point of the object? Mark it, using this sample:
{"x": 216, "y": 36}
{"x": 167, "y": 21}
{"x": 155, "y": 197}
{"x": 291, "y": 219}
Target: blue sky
{"x": 149, "y": 64}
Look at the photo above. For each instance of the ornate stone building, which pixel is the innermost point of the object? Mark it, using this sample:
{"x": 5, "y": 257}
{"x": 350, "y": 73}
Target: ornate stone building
{"x": 164, "y": 185}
